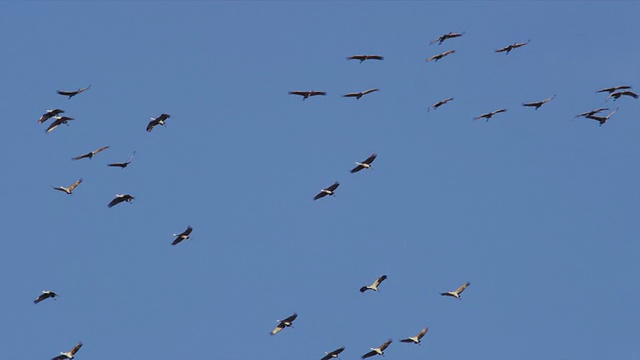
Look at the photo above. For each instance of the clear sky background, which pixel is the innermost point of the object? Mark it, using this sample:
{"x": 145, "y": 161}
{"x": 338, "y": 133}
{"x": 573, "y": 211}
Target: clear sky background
{"x": 539, "y": 210}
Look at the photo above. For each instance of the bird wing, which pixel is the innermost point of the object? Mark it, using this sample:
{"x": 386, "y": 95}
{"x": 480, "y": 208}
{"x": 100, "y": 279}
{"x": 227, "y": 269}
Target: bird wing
{"x": 278, "y": 328}
{"x": 81, "y": 156}
{"x": 291, "y": 318}
{"x": 379, "y": 280}
{"x": 187, "y": 232}
{"x": 320, "y": 195}
{"x": 177, "y": 240}
{"x": 116, "y": 201}
{"x": 99, "y": 150}
{"x": 504, "y": 49}
{"x": 131, "y": 157}
{"x": 76, "y": 348}
{"x": 53, "y": 125}
{"x": 422, "y": 332}
{"x": 630, "y": 93}
{"x": 75, "y": 184}
{"x": 301, "y": 93}
{"x": 369, "y": 91}
{"x": 461, "y": 288}
{"x": 363, "y": 289}
{"x": 375, "y": 57}
{"x": 152, "y": 123}
{"x": 328, "y": 356}
{"x": 609, "y": 89}
{"x": 163, "y": 117}
{"x": 67, "y": 93}
{"x": 369, "y": 354}
{"x": 385, "y": 345}
{"x": 60, "y": 357}
{"x": 370, "y": 159}
{"x": 498, "y": 111}
{"x": 40, "y": 298}
{"x": 357, "y": 57}
{"x": 357, "y": 168}
{"x": 407, "y": 340}
{"x": 314, "y": 93}
{"x": 333, "y": 186}
{"x": 352, "y": 94}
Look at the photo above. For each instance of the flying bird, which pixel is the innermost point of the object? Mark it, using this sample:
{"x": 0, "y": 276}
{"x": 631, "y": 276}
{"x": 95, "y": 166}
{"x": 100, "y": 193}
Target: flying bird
{"x": 123, "y": 165}
{"x": 333, "y": 354}
{"x": 69, "y": 354}
{"x": 366, "y": 164}
{"x": 488, "y": 116}
{"x": 614, "y": 88}
{"x": 120, "y": 198}
{"x": 446, "y": 36}
{"x": 457, "y": 292}
{"x": 507, "y": 49}
{"x": 416, "y": 339}
{"x": 439, "y": 103}
{"x": 157, "y": 121}
{"x": 375, "y": 284}
{"x": 182, "y": 236}
{"x": 327, "y": 191}
{"x": 377, "y": 351}
{"x": 365, "y": 57}
{"x": 617, "y": 95}
{"x": 71, "y": 94}
{"x": 59, "y": 120}
{"x": 44, "y": 296}
{"x": 537, "y": 104}
{"x": 307, "y": 94}
{"x": 90, "y": 155}
{"x": 69, "y": 189}
{"x": 284, "y": 323}
{"x": 601, "y": 119}
{"x": 358, "y": 95}
{"x": 49, "y": 114}
{"x": 440, "y": 56}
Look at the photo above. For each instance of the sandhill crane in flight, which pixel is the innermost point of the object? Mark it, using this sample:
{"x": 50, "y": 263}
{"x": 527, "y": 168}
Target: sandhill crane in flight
{"x": 68, "y": 190}
{"x": 306, "y": 94}
{"x": 90, "y": 155}
{"x": 49, "y": 114}
{"x": 284, "y": 323}
{"x": 123, "y": 165}
{"x": 120, "y": 198}
{"x": 358, "y": 95}
{"x": 69, "y": 354}
{"x": 617, "y": 95}
{"x": 333, "y": 354}
{"x": 457, "y": 292}
{"x": 73, "y": 93}
{"x": 441, "y": 55}
{"x": 537, "y": 104}
{"x": 416, "y": 339}
{"x": 507, "y": 49}
{"x": 45, "y": 295}
{"x": 366, "y": 164}
{"x": 59, "y": 120}
{"x": 591, "y": 112}
{"x": 365, "y": 57}
{"x": 327, "y": 191}
{"x": 160, "y": 120}
{"x": 375, "y": 284}
{"x": 601, "y": 119}
{"x": 182, "y": 236}
{"x": 379, "y": 350}
{"x": 614, "y": 88}
{"x": 446, "y": 36}
{"x": 489, "y": 115}
{"x": 439, "y": 103}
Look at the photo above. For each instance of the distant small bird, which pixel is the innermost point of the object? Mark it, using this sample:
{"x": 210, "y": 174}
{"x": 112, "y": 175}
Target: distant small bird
{"x": 441, "y": 55}
{"x": 591, "y": 112}
{"x": 416, "y": 339}
{"x": 120, "y": 198}
{"x": 46, "y": 294}
{"x": 182, "y": 236}
{"x": 366, "y": 164}
{"x": 284, "y": 323}
{"x": 123, "y": 164}
{"x": 49, "y": 114}
{"x": 375, "y": 284}
{"x": 157, "y": 121}
{"x": 601, "y": 119}
{"x": 90, "y": 155}
{"x": 59, "y": 120}
{"x": 617, "y": 95}
{"x": 71, "y": 94}
{"x": 379, "y": 350}
{"x": 537, "y": 104}
{"x": 507, "y": 49}
{"x": 439, "y": 103}
{"x": 614, "y": 88}
{"x": 365, "y": 57}
{"x": 327, "y": 191}
{"x": 457, "y": 292}
{"x": 307, "y": 94}
{"x": 333, "y": 354}
{"x": 446, "y": 36}
{"x": 488, "y": 116}
{"x": 358, "y": 95}
{"x": 69, "y": 354}
{"x": 69, "y": 189}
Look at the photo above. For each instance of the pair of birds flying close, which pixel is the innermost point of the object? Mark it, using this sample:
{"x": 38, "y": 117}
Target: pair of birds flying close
{"x": 308, "y": 94}
{"x": 330, "y": 190}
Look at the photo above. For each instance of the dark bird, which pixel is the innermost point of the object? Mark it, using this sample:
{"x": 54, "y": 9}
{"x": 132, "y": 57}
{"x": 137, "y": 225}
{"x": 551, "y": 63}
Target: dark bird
{"x": 439, "y": 103}
{"x": 182, "y": 236}
{"x": 284, "y": 323}
{"x": 328, "y": 191}
{"x": 358, "y": 95}
{"x": 333, "y": 354}
{"x": 90, "y": 155}
{"x": 457, "y": 292}
{"x": 157, "y": 121}
{"x": 120, "y": 198}
{"x": 537, "y": 104}
{"x": 507, "y": 49}
{"x": 307, "y": 94}
{"x": 69, "y": 189}
{"x": 615, "y": 88}
{"x": 440, "y": 56}
{"x": 49, "y": 114}
{"x": 45, "y": 295}
{"x": 71, "y": 94}
{"x": 591, "y": 112}
{"x": 378, "y": 351}
{"x": 617, "y": 95}
{"x": 59, "y": 120}
{"x": 123, "y": 164}
{"x": 416, "y": 339}
{"x": 488, "y": 116}
{"x": 601, "y": 119}
{"x": 365, "y": 57}
{"x": 444, "y": 37}
{"x": 69, "y": 354}
{"x": 375, "y": 284}
{"x": 366, "y": 164}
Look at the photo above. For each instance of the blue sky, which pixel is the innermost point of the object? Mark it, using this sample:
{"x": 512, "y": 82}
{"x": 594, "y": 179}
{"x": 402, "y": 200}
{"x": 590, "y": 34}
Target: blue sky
{"x": 536, "y": 208}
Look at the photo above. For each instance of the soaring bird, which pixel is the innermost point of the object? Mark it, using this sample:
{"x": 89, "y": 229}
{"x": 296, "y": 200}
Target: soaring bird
{"x": 45, "y": 295}
{"x": 366, "y": 164}
{"x": 488, "y": 116}
{"x": 71, "y": 94}
{"x": 601, "y": 119}
{"x": 365, "y": 57}
{"x": 614, "y": 88}
{"x": 440, "y": 56}
{"x": 307, "y": 94}
{"x": 446, "y": 36}
{"x": 439, "y": 103}
{"x": 358, "y": 95}
{"x": 182, "y": 236}
{"x": 327, "y": 191}
{"x": 416, "y": 339}
{"x": 378, "y": 351}
{"x": 90, "y": 155}
{"x": 375, "y": 284}
{"x": 157, "y": 121}
{"x": 123, "y": 164}
{"x": 617, "y": 95}
{"x": 537, "y": 104}
{"x": 69, "y": 189}
{"x": 507, "y": 49}
{"x": 120, "y": 198}
{"x": 284, "y": 323}
{"x": 457, "y": 292}
{"x": 591, "y": 112}
{"x": 59, "y": 120}
{"x": 69, "y": 354}
{"x": 333, "y": 354}
{"x": 49, "y": 114}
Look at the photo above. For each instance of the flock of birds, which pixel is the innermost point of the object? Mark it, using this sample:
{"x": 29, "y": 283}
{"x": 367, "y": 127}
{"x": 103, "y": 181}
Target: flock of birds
{"x": 615, "y": 92}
